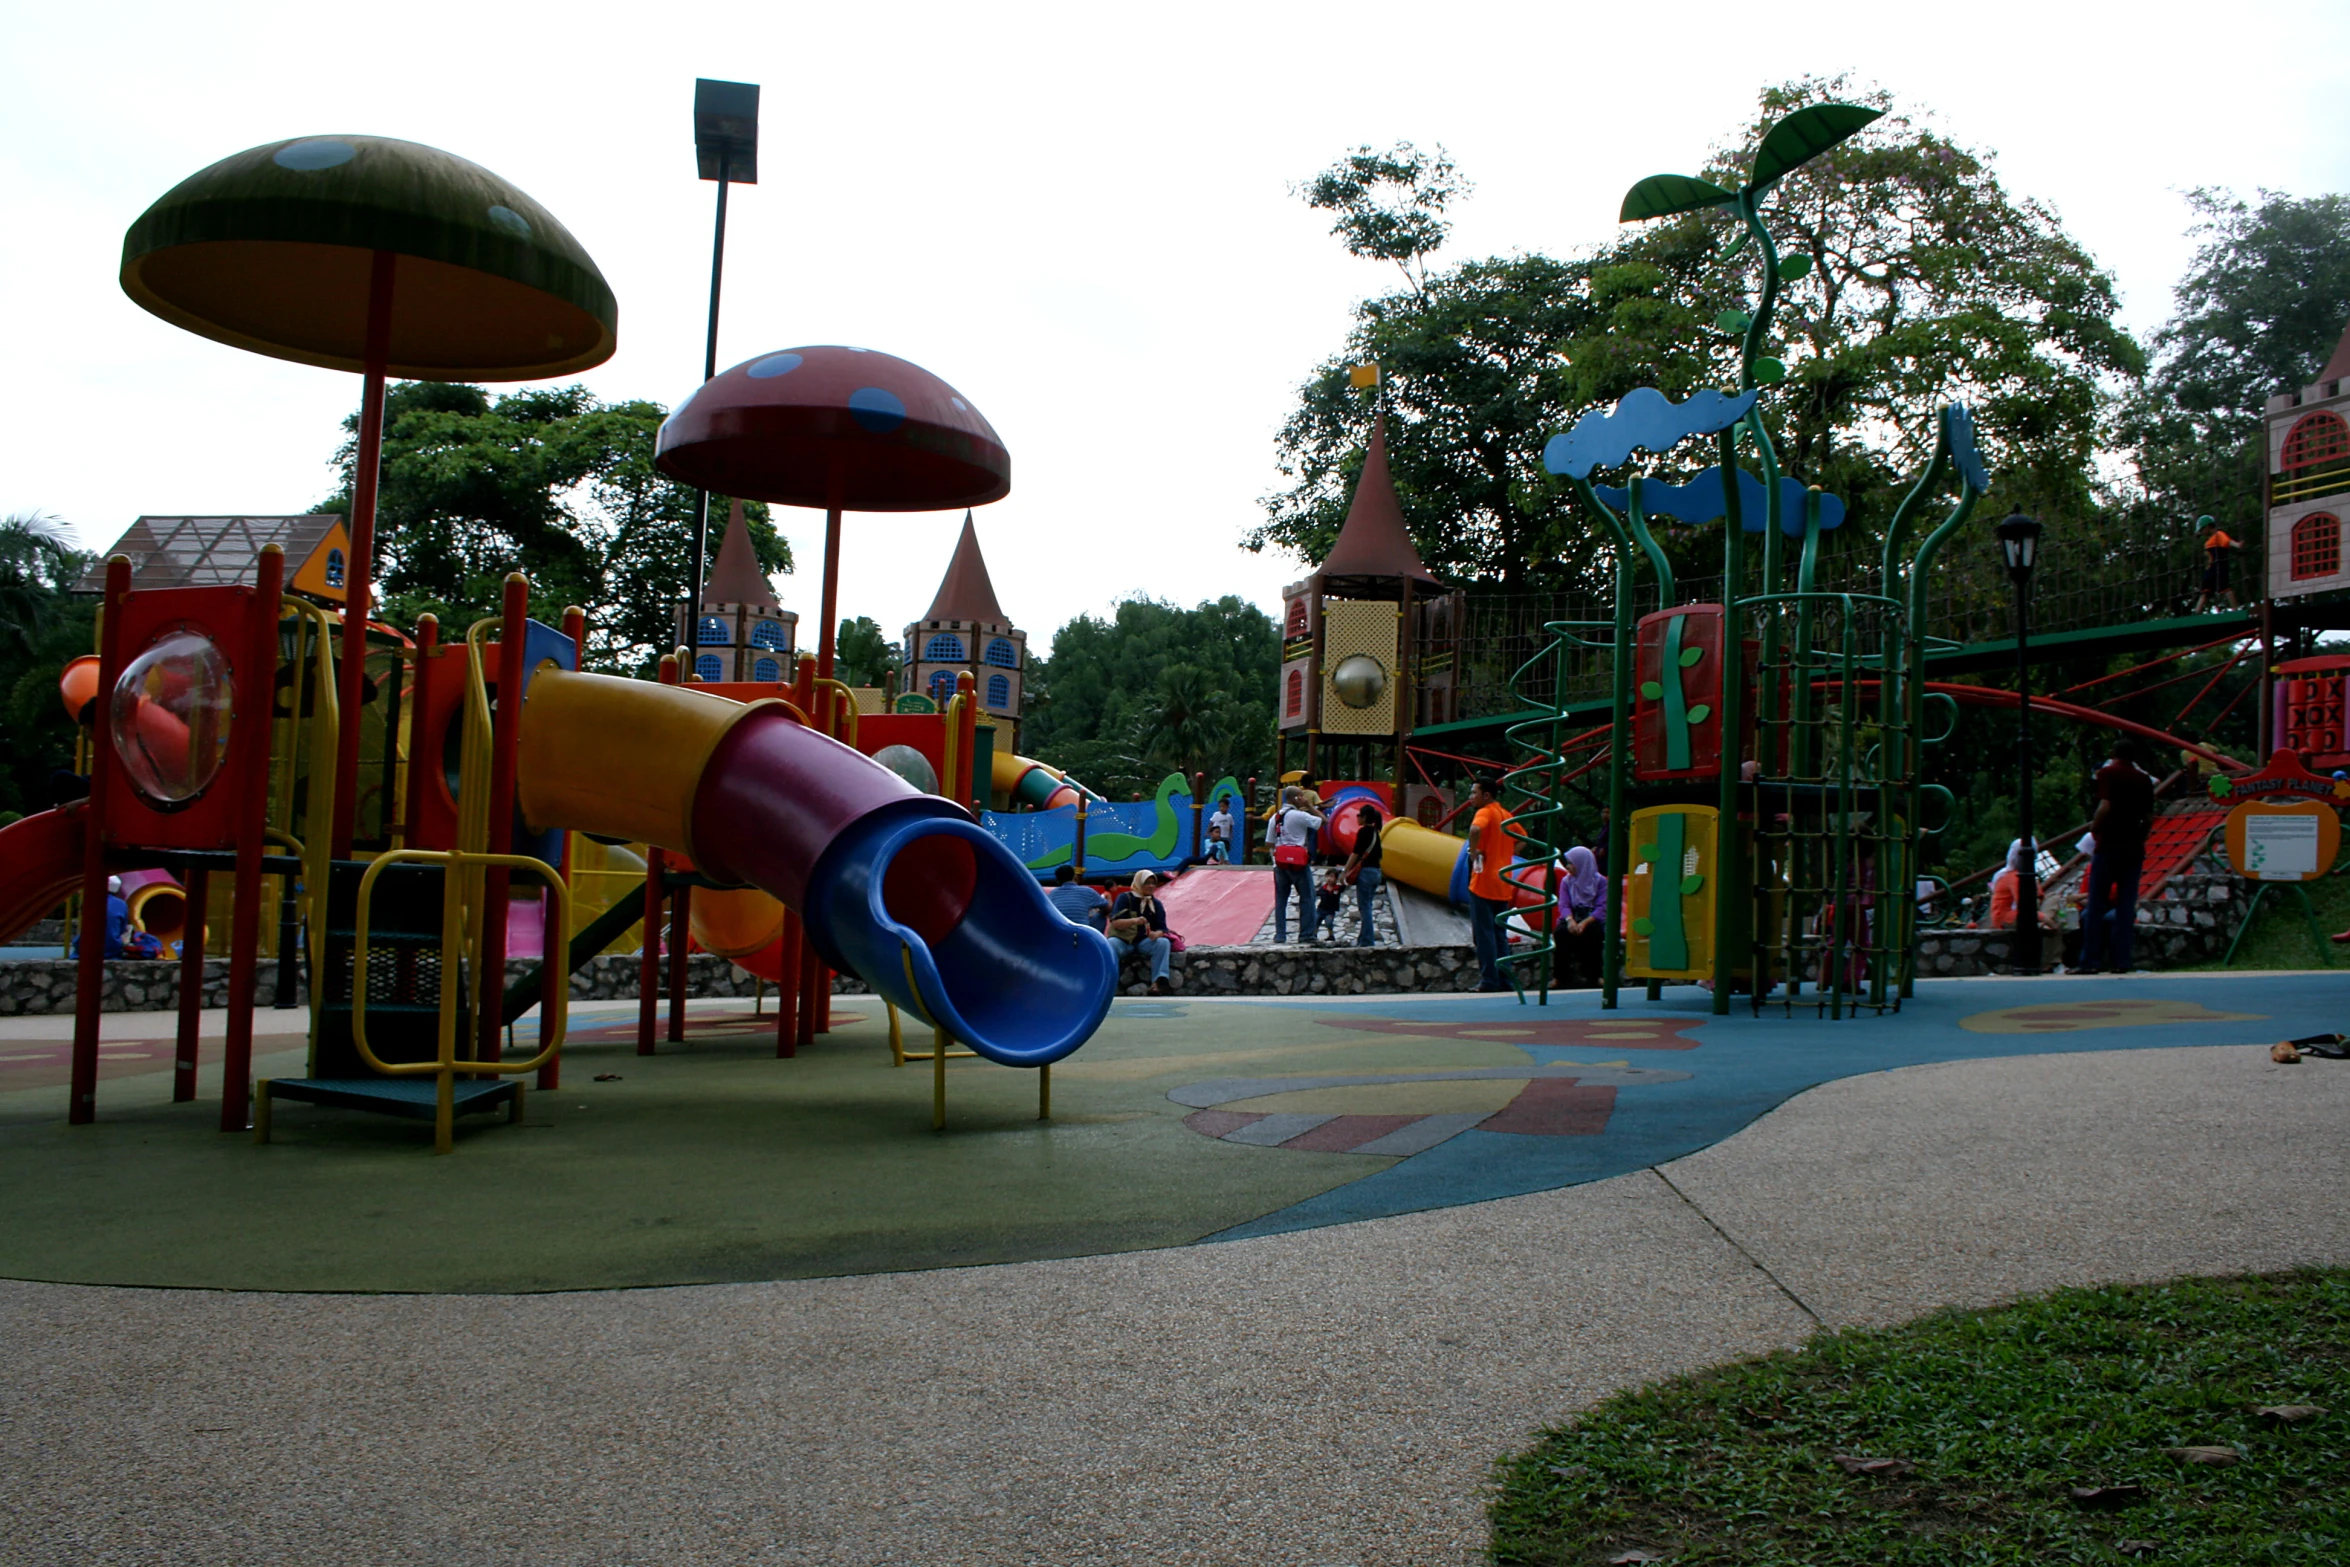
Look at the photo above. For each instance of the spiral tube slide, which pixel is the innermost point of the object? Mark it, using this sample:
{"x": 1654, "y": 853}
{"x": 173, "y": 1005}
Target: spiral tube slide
{"x": 898, "y": 887}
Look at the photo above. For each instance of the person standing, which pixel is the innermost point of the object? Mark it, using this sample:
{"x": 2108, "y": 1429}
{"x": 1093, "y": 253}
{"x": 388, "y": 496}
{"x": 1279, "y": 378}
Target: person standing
{"x": 2125, "y": 814}
{"x": 1582, "y": 919}
{"x": 1138, "y": 922}
{"x": 1491, "y": 850}
{"x": 1363, "y": 866}
{"x": 1293, "y": 868}
{"x": 2217, "y": 547}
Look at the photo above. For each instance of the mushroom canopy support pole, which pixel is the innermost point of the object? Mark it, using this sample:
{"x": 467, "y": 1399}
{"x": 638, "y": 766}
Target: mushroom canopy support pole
{"x": 378, "y": 256}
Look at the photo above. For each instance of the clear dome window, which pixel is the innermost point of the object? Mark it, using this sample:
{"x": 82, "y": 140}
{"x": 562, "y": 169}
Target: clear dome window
{"x": 172, "y": 712}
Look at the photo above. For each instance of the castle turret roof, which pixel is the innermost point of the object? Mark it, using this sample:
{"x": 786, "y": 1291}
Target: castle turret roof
{"x": 1373, "y": 541}
{"x": 735, "y": 577}
{"x": 966, "y": 593}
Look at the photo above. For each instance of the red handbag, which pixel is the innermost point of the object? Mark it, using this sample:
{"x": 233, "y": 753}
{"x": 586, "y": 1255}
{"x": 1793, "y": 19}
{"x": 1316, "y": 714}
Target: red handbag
{"x": 1290, "y": 854}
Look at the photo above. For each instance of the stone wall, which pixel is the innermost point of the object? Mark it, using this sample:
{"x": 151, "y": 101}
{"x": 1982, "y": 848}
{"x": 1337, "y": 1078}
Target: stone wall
{"x": 2190, "y": 921}
{"x": 147, "y": 986}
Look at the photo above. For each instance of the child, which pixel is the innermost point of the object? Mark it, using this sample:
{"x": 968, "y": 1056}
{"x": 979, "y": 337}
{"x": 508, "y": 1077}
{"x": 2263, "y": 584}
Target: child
{"x": 2216, "y": 549}
{"x": 1327, "y": 897}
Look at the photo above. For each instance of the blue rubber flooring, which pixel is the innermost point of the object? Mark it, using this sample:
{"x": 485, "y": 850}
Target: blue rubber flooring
{"x": 1743, "y": 1066}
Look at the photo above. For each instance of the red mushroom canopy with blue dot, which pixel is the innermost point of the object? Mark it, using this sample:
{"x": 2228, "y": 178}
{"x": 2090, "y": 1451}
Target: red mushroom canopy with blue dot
{"x": 827, "y": 426}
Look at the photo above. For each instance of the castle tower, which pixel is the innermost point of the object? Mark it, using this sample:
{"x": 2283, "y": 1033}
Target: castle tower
{"x": 741, "y": 631}
{"x": 966, "y": 629}
{"x": 1367, "y": 640}
{"x": 2309, "y": 482}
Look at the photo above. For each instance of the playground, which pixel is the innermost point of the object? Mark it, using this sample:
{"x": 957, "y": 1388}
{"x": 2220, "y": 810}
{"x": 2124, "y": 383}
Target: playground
{"x": 1011, "y": 1259}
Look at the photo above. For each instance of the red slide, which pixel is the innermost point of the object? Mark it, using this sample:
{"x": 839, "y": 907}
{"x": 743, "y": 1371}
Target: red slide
{"x": 40, "y": 865}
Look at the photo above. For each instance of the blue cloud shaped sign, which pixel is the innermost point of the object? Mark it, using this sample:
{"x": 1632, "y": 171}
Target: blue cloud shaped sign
{"x": 1645, "y": 419}
{"x": 1700, "y": 500}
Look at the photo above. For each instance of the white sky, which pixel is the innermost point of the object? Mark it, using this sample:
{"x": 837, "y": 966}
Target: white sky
{"x": 1078, "y": 215}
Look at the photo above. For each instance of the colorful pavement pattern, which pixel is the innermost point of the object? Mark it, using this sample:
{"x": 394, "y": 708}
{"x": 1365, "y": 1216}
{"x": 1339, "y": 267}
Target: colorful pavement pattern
{"x": 1183, "y": 1121}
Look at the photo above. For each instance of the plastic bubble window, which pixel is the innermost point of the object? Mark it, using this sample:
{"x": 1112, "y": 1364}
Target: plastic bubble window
{"x": 172, "y": 712}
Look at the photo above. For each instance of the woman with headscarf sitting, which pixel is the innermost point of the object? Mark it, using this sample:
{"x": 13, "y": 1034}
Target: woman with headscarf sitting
{"x": 1582, "y": 921}
{"x": 1138, "y": 922}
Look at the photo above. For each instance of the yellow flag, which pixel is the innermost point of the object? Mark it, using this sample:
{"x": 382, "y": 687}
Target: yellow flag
{"x": 1363, "y": 375}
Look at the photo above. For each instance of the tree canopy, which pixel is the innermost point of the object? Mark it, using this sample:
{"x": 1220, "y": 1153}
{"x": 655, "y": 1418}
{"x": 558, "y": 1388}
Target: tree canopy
{"x": 550, "y": 481}
{"x": 1121, "y": 702}
{"x": 863, "y": 654}
{"x": 1927, "y": 281}
{"x": 42, "y": 627}
{"x": 2261, "y": 308}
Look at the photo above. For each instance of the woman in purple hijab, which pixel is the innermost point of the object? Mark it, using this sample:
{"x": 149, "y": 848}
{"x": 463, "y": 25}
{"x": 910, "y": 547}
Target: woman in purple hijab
{"x": 1582, "y": 921}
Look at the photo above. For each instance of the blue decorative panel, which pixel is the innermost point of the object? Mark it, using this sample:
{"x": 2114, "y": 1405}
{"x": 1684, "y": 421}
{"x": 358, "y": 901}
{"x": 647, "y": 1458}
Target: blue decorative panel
{"x": 1003, "y": 654}
{"x": 711, "y": 629}
{"x": 999, "y": 692}
{"x": 945, "y": 648}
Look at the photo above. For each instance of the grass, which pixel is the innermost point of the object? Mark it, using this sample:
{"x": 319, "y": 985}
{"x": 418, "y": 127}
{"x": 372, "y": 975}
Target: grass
{"x": 2279, "y": 937}
{"x": 1999, "y": 1415}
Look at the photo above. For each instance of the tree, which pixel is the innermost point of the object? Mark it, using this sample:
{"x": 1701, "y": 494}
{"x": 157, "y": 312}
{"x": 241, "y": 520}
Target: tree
{"x": 1121, "y": 702}
{"x": 549, "y": 481}
{"x": 1390, "y": 204}
{"x": 863, "y": 654}
{"x": 2263, "y": 304}
{"x": 1927, "y": 282}
{"x": 42, "y": 626}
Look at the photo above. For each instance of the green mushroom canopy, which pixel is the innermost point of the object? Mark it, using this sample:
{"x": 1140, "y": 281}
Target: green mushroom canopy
{"x": 271, "y": 250}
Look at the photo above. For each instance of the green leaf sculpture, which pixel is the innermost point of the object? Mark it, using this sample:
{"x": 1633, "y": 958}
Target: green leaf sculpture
{"x": 1652, "y": 690}
{"x": 1733, "y": 321}
{"x": 1692, "y": 885}
{"x": 1644, "y": 853}
{"x": 1793, "y": 267}
{"x": 1769, "y": 372}
{"x": 1700, "y": 713}
{"x": 1662, "y": 195}
{"x": 1803, "y": 136}
{"x": 1644, "y": 926}
{"x": 1692, "y": 655}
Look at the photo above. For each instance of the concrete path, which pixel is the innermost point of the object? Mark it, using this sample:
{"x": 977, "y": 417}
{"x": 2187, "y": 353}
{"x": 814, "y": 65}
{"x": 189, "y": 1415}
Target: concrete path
{"x": 1335, "y": 1395}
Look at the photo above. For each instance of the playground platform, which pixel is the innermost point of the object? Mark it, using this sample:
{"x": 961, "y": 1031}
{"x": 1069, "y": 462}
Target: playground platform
{"x": 1320, "y": 1393}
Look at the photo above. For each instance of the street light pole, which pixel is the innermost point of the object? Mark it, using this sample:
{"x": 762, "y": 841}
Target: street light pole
{"x": 726, "y": 149}
{"x": 2019, "y": 544}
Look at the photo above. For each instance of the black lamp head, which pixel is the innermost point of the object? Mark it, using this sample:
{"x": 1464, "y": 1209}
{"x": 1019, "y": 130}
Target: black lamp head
{"x": 726, "y": 130}
{"x": 2019, "y": 544}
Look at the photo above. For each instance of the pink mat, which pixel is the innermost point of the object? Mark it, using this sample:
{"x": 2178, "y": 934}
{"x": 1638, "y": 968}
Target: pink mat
{"x": 1219, "y": 905}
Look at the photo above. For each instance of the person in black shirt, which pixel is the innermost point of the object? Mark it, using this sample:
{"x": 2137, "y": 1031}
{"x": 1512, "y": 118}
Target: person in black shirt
{"x": 1363, "y": 866}
{"x": 2125, "y": 814}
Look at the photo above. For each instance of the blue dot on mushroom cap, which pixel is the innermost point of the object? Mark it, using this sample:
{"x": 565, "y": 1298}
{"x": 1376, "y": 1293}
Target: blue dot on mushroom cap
{"x": 774, "y": 365}
{"x": 306, "y": 157}
{"x": 877, "y": 409}
{"x": 511, "y": 221}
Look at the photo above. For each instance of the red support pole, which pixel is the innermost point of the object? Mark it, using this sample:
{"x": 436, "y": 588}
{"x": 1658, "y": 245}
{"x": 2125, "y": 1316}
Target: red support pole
{"x": 574, "y": 627}
{"x": 428, "y": 653}
{"x": 648, "y": 971}
{"x": 81, "y": 1105}
{"x": 831, "y": 596}
{"x": 498, "y": 882}
{"x": 811, "y": 980}
{"x": 184, "y": 1059}
{"x": 359, "y": 570}
{"x": 244, "y": 918}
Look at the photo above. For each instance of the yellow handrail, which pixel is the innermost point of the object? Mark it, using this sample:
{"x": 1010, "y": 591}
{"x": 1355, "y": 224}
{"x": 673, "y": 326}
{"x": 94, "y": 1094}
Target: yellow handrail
{"x": 847, "y": 703}
{"x": 952, "y": 745}
{"x": 554, "y": 997}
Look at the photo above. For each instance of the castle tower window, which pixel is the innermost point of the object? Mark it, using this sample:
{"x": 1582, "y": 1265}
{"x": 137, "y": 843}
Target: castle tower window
{"x": 945, "y": 648}
{"x": 2317, "y": 544}
{"x": 2317, "y": 438}
{"x": 709, "y": 667}
{"x": 1296, "y": 703}
{"x": 1003, "y": 654}
{"x": 999, "y": 692}
{"x": 768, "y": 634}
{"x": 710, "y": 630}
{"x": 942, "y": 687}
{"x": 766, "y": 669}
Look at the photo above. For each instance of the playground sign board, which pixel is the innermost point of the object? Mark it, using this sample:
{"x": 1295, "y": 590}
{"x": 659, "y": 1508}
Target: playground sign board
{"x": 2291, "y": 840}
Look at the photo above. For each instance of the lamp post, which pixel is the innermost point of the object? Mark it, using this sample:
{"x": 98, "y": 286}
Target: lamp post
{"x": 2019, "y": 545}
{"x": 726, "y": 149}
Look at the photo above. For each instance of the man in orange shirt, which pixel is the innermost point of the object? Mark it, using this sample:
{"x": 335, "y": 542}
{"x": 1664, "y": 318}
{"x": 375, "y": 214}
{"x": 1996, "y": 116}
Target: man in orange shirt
{"x": 2217, "y": 546}
{"x": 1491, "y": 849}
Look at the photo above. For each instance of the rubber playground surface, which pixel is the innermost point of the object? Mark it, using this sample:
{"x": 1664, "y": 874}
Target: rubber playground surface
{"x": 1181, "y": 1122}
